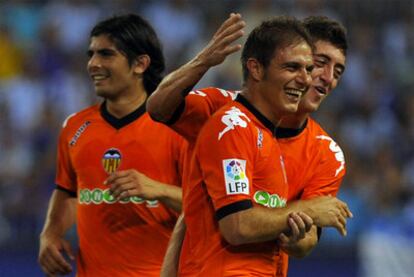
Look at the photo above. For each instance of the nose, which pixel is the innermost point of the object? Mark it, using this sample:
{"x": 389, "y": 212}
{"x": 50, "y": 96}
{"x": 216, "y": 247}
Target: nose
{"x": 304, "y": 78}
{"x": 328, "y": 75}
{"x": 93, "y": 62}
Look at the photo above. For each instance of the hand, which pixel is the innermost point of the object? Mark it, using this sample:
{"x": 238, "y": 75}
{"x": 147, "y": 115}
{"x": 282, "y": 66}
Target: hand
{"x": 51, "y": 258}
{"x": 299, "y": 223}
{"x": 328, "y": 211}
{"x": 220, "y": 45}
{"x": 133, "y": 183}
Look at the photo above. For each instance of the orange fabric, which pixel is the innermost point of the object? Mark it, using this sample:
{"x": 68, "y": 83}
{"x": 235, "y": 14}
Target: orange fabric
{"x": 313, "y": 161}
{"x": 228, "y": 155}
{"x": 315, "y": 166}
{"x": 199, "y": 106}
{"x": 127, "y": 238}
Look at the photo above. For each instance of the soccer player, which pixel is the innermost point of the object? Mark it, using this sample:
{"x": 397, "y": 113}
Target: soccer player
{"x": 123, "y": 226}
{"x": 236, "y": 170}
{"x": 300, "y": 133}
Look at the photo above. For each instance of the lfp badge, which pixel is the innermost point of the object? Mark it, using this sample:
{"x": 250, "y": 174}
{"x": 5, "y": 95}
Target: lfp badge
{"x": 111, "y": 160}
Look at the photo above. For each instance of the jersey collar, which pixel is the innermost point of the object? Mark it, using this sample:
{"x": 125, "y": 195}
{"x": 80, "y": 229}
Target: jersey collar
{"x": 118, "y": 123}
{"x": 266, "y": 122}
{"x": 289, "y": 132}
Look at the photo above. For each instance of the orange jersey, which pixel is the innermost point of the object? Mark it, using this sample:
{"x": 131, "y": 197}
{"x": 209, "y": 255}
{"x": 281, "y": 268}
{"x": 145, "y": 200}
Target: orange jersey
{"x": 236, "y": 165}
{"x": 315, "y": 165}
{"x": 127, "y": 237}
{"x": 198, "y": 107}
{"x": 190, "y": 117}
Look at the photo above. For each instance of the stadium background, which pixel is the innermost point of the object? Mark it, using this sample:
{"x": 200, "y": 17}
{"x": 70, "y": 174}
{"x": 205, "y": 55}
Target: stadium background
{"x": 43, "y": 79}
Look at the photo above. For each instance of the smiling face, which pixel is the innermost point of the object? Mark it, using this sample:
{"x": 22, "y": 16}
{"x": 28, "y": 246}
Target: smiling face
{"x": 286, "y": 79}
{"x": 329, "y": 64}
{"x": 109, "y": 69}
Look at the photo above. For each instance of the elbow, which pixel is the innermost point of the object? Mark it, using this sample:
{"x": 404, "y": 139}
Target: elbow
{"x": 234, "y": 231}
{"x": 153, "y": 109}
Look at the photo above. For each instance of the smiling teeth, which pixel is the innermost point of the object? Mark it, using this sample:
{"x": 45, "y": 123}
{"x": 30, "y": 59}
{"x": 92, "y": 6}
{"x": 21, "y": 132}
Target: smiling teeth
{"x": 320, "y": 90}
{"x": 98, "y": 77}
{"x": 295, "y": 92}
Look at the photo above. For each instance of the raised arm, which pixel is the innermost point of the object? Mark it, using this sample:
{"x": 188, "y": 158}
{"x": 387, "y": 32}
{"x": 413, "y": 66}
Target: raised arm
{"x": 171, "y": 92}
{"x": 60, "y": 218}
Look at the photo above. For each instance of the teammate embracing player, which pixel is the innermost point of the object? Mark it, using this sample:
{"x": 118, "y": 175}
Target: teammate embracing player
{"x": 314, "y": 163}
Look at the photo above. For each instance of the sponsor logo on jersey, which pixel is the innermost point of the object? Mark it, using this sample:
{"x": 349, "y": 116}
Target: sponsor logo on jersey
{"x": 235, "y": 177}
{"x": 111, "y": 160}
{"x": 339, "y": 155}
{"x": 78, "y": 133}
{"x": 99, "y": 196}
{"x": 232, "y": 118}
{"x": 269, "y": 200}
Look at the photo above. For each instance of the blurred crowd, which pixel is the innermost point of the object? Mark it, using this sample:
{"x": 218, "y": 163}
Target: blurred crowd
{"x": 43, "y": 79}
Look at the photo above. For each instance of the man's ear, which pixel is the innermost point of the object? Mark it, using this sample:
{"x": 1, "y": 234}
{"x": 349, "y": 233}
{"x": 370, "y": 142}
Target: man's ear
{"x": 141, "y": 64}
{"x": 256, "y": 70}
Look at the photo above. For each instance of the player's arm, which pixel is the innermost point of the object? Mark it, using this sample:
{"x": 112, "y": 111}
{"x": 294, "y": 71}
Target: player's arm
{"x": 257, "y": 224}
{"x": 61, "y": 215}
{"x": 133, "y": 183}
{"x": 171, "y": 92}
{"x": 172, "y": 256}
{"x": 301, "y": 245}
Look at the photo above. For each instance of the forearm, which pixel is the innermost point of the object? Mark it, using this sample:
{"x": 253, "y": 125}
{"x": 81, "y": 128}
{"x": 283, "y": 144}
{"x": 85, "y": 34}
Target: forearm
{"x": 171, "y": 92}
{"x": 172, "y": 256}
{"x": 171, "y": 196}
{"x": 61, "y": 214}
{"x": 254, "y": 225}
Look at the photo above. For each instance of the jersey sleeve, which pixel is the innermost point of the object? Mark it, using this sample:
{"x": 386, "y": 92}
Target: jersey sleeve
{"x": 329, "y": 173}
{"x": 199, "y": 105}
{"x": 65, "y": 174}
{"x": 226, "y": 159}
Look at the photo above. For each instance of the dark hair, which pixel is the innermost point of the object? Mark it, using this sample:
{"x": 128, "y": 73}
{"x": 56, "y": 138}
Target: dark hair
{"x": 270, "y": 36}
{"x": 134, "y": 36}
{"x": 323, "y": 28}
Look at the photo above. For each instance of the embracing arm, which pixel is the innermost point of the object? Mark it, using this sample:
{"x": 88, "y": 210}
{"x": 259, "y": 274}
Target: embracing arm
{"x": 61, "y": 216}
{"x": 170, "y": 93}
{"x": 172, "y": 256}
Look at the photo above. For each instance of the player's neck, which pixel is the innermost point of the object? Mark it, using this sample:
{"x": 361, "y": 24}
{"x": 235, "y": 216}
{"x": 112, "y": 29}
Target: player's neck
{"x": 294, "y": 121}
{"x": 123, "y": 106}
{"x": 257, "y": 101}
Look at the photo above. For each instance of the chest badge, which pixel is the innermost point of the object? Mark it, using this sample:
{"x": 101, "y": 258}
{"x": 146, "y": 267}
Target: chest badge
{"x": 111, "y": 160}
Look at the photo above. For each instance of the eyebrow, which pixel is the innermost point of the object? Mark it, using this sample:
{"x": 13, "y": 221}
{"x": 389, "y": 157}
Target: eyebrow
{"x": 101, "y": 51}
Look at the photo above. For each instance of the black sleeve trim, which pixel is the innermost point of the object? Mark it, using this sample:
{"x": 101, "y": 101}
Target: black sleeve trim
{"x": 319, "y": 232}
{"x": 71, "y": 193}
{"x": 233, "y": 208}
{"x": 177, "y": 113}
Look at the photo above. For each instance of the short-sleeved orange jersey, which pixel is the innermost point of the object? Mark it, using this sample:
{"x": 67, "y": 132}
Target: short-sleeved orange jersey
{"x": 127, "y": 237}
{"x": 236, "y": 165}
{"x": 314, "y": 163}
{"x": 315, "y": 166}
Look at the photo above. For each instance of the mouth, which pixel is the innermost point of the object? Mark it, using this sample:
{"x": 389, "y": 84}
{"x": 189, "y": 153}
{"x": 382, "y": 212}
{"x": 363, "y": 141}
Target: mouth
{"x": 98, "y": 77}
{"x": 321, "y": 90}
{"x": 294, "y": 94}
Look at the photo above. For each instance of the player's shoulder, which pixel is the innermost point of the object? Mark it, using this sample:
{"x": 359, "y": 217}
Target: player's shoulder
{"x": 74, "y": 119}
{"x": 232, "y": 118}
{"x": 214, "y": 92}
